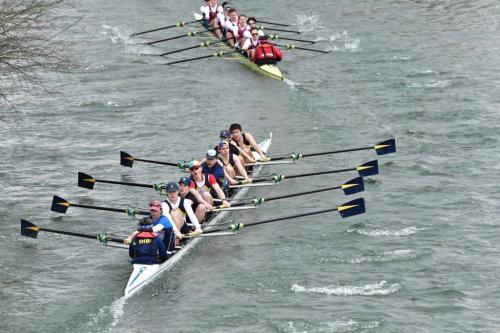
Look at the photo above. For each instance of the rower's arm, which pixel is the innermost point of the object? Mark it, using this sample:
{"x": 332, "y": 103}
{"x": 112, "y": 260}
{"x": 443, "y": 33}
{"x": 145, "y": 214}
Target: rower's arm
{"x": 220, "y": 194}
{"x": 191, "y": 214}
{"x": 231, "y": 180}
{"x": 254, "y": 144}
{"x": 200, "y": 199}
{"x": 166, "y": 213}
{"x": 246, "y": 155}
{"x": 240, "y": 167}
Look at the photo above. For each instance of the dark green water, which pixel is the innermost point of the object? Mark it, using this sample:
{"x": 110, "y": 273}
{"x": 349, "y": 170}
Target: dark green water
{"x": 425, "y": 256}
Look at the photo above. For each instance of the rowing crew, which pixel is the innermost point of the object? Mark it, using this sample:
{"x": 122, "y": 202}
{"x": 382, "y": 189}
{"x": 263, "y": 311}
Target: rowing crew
{"x": 190, "y": 199}
{"x": 240, "y": 32}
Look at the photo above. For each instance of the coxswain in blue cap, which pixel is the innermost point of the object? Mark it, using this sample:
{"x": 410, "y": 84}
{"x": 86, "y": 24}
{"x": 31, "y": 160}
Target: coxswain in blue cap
{"x": 146, "y": 247}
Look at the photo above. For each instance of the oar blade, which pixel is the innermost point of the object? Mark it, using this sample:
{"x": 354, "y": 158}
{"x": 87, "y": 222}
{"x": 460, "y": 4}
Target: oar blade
{"x": 86, "y": 181}
{"x": 59, "y": 205}
{"x": 351, "y": 208}
{"x": 385, "y": 147}
{"x": 126, "y": 159}
{"x": 29, "y": 229}
{"x": 353, "y": 186}
{"x": 368, "y": 169}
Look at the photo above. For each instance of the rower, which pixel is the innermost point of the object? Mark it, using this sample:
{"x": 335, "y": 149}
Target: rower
{"x": 231, "y": 27}
{"x": 206, "y": 185}
{"x": 242, "y": 28}
{"x": 251, "y": 43}
{"x": 246, "y": 141}
{"x": 162, "y": 225}
{"x": 232, "y": 164}
{"x": 180, "y": 209}
{"x": 210, "y": 12}
{"x": 211, "y": 165}
{"x": 225, "y": 135}
{"x": 146, "y": 248}
{"x": 199, "y": 206}
{"x": 252, "y": 23}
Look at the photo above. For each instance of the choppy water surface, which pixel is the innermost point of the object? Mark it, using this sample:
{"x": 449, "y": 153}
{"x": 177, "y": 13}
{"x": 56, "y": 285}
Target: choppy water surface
{"x": 425, "y": 257}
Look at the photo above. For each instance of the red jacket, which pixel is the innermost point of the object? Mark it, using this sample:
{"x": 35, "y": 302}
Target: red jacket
{"x": 267, "y": 54}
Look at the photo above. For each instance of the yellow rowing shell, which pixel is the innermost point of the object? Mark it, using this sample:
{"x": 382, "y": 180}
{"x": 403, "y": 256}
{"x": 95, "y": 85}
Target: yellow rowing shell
{"x": 271, "y": 71}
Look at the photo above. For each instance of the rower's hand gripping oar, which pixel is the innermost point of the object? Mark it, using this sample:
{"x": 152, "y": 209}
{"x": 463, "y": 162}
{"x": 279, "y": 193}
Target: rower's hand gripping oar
{"x": 128, "y": 160}
{"x": 178, "y": 24}
{"x": 381, "y": 148}
{"x": 87, "y": 181}
{"x": 350, "y": 187}
{"x": 61, "y": 205}
{"x": 31, "y": 230}
{"x": 351, "y": 208}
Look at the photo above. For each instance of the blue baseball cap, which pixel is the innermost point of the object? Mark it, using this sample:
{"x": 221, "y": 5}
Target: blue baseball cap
{"x": 185, "y": 181}
{"x": 172, "y": 187}
{"x": 222, "y": 144}
{"x": 225, "y": 134}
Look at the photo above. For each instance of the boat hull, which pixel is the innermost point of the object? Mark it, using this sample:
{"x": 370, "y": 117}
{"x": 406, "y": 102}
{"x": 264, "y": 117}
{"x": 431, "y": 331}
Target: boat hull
{"x": 144, "y": 274}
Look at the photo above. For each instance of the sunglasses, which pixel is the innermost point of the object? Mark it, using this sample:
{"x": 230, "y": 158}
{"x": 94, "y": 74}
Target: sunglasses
{"x": 196, "y": 167}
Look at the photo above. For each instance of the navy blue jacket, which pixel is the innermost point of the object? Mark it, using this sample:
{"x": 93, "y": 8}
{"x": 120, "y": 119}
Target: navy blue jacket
{"x": 147, "y": 249}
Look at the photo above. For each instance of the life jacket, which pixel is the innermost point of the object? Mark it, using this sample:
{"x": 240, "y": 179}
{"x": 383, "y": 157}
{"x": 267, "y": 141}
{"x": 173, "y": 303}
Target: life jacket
{"x": 267, "y": 54}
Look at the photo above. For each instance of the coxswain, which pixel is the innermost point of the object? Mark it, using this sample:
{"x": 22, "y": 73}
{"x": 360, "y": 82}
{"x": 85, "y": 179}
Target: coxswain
{"x": 232, "y": 165}
{"x": 180, "y": 209}
{"x": 266, "y": 53}
{"x": 246, "y": 141}
{"x": 251, "y": 43}
{"x": 206, "y": 185}
{"x": 200, "y": 207}
{"x": 162, "y": 225}
{"x": 146, "y": 248}
{"x": 211, "y": 11}
{"x": 231, "y": 27}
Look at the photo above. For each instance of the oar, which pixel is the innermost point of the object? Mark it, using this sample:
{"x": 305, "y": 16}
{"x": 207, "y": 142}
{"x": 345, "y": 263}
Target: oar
{"x": 61, "y": 205}
{"x": 29, "y": 229}
{"x": 187, "y": 34}
{"x": 291, "y": 47}
{"x": 87, "y": 181}
{"x": 204, "y": 44}
{"x": 260, "y": 27}
{"x": 274, "y": 37}
{"x": 178, "y": 24}
{"x": 274, "y": 23}
{"x": 353, "y": 186}
{"x": 128, "y": 160}
{"x": 219, "y": 54}
{"x": 351, "y": 208}
{"x": 381, "y": 148}
{"x": 364, "y": 170}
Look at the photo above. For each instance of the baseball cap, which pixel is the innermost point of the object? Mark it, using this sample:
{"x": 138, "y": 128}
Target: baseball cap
{"x": 222, "y": 144}
{"x": 211, "y": 154}
{"x": 185, "y": 181}
{"x": 155, "y": 206}
{"x": 172, "y": 187}
{"x": 225, "y": 134}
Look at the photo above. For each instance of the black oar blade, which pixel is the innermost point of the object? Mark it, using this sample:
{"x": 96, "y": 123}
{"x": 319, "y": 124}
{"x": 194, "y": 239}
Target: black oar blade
{"x": 126, "y": 159}
{"x": 368, "y": 169}
{"x": 29, "y": 229}
{"x": 86, "y": 181}
{"x": 385, "y": 147}
{"x": 353, "y": 186}
{"x": 351, "y": 208}
{"x": 59, "y": 205}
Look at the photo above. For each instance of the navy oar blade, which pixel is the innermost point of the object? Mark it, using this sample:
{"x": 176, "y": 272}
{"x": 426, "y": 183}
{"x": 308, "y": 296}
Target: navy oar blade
{"x": 353, "y": 186}
{"x": 351, "y": 208}
{"x": 59, "y": 205}
{"x": 126, "y": 159}
{"x": 29, "y": 229}
{"x": 385, "y": 147}
{"x": 368, "y": 169}
{"x": 86, "y": 181}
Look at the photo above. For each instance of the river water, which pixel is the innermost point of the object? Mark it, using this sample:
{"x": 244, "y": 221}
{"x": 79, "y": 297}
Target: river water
{"x": 425, "y": 256}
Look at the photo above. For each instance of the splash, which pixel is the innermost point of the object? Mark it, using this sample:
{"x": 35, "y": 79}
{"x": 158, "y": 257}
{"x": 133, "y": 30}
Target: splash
{"x": 380, "y": 232}
{"x": 397, "y": 255}
{"x": 293, "y": 85}
{"x": 308, "y": 22}
{"x": 116, "y": 35}
{"x": 382, "y": 288}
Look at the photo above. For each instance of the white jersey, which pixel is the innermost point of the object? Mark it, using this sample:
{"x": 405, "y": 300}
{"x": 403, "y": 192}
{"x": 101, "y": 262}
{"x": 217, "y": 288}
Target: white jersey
{"x": 187, "y": 207}
{"x": 232, "y": 26}
{"x": 211, "y": 12}
{"x": 250, "y": 44}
